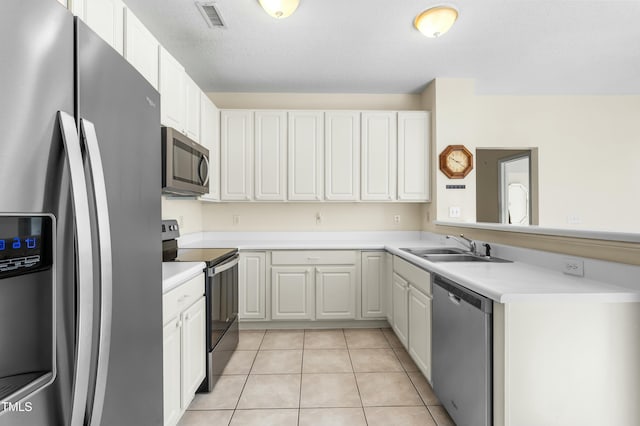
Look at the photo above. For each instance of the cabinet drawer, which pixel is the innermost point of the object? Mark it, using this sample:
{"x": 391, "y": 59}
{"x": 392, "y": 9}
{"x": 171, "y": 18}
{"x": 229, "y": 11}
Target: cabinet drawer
{"x": 419, "y": 278}
{"x": 181, "y": 297}
{"x": 314, "y": 257}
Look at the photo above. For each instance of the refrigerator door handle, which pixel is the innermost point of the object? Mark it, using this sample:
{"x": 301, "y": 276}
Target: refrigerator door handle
{"x": 90, "y": 139}
{"x": 84, "y": 267}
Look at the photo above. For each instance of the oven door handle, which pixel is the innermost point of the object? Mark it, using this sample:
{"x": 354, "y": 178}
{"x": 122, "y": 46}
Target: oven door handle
{"x": 223, "y": 267}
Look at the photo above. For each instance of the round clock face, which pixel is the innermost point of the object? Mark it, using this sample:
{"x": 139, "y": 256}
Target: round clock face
{"x": 456, "y": 161}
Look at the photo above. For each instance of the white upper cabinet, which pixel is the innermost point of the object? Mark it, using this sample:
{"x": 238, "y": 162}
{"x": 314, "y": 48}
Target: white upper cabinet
{"x": 210, "y": 138}
{"x": 379, "y": 145}
{"x": 105, "y": 17}
{"x": 236, "y": 168}
{"x": 342, "y": 155}
{"x": 192, "y": 109}
{"x": 141, "y": 48}
{"x": 172, "y": 91}
{"x": 305, "y": 155}
{"x": 270, "y": 155}
{"x": 414, "y": 133}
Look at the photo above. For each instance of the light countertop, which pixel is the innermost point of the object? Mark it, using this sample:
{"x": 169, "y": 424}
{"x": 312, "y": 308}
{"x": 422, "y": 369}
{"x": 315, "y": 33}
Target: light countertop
{"x": 501, "y": 282}
{"x": 176, "y": 273}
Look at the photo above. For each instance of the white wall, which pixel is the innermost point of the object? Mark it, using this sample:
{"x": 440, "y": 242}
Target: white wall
{"x": 187, "y": 212}
{"x": 588, "y": 150}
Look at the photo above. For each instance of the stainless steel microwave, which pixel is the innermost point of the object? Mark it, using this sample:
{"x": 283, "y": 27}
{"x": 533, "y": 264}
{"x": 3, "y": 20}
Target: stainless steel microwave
{"x": 185, "y": 164}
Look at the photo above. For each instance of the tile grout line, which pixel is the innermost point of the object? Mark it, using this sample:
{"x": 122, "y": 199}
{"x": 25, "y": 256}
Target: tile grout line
{"x": 355, "y": 378}
{"x": 304, "y": 336}
{"x": 246, "y": 379}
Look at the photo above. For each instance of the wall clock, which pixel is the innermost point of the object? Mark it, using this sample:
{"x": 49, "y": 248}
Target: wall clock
{"x": 456, "y": 161}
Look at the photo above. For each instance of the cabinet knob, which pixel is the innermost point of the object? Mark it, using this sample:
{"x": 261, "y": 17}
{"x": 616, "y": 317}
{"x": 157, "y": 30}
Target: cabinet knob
{"x": 178, "y": 324}
{"x": 186, "y": 316}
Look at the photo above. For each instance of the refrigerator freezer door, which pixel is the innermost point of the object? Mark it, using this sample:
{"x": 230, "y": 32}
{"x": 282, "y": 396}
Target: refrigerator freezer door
{"x": 37, "y": 81}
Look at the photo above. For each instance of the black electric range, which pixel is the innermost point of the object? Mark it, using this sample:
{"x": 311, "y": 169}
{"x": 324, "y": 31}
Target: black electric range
{"x": 221, "y": 292}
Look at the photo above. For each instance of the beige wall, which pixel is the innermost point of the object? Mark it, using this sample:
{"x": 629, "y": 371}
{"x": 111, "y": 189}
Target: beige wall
{"x": 187, "y": 212}
{"x": 588, "y": 149}
{"x": 258, "y": 216}
{"x": 323, "y": 101}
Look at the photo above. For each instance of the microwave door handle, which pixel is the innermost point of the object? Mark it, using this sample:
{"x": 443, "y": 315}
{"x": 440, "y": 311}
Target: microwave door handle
{"x": 204, "y": 160}
{"x": 90, "y": 139}
{"x": 84, "y": 267}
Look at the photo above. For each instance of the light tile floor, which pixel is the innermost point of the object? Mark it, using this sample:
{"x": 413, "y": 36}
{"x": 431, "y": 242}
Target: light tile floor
{"x": 319, "y": 377}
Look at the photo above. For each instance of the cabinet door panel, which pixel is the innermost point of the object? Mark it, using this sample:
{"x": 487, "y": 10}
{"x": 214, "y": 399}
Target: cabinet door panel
{"x": 193, "y": 350}
{"x": 342, "y": 155}
{"x": 400, "y": 311}
{"x": 379, "y": 142}
{"x": 335, "y": 292}
{"x": 420, "y": 330}
{"x": 388, "y": 284}
{"x": 270, "y": 155}
{"x": 210, "y": 138}
{"x": 192, "y": 109}
{"x": 172, "y": 99}
{"x": 305, "y": 151}
{"x": 252, "y": 286}
{"x": 236, "y": 167}
{"x": 171, "y": 371}
{"x": 414, "y": 133}
{"x": 106, "y": 18}
{"x": 292, "y": 293}
{"x": 141, "y": 48}
{"x": 373, "y": 288}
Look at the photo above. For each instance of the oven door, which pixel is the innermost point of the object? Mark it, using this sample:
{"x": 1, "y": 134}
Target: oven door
{"x": 222, "y": 299}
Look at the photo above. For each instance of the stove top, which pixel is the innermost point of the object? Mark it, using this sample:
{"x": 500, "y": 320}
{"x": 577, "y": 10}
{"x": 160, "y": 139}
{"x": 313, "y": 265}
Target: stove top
{"x": 211, "y": 256}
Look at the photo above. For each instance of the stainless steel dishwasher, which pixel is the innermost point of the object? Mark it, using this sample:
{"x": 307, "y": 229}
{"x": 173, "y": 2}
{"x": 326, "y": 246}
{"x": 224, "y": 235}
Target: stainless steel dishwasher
{"x": 462, "y": 352}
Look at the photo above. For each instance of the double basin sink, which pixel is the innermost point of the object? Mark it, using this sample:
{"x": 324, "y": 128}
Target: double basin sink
{"x": 451, "y": 255}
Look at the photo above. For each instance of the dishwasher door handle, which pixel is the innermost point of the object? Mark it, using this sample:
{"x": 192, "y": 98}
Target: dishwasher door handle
{"x": 454, "y": 299}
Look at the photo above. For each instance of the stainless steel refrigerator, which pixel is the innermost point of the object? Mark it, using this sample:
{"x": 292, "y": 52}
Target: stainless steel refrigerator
{"x": 80, "y": 247}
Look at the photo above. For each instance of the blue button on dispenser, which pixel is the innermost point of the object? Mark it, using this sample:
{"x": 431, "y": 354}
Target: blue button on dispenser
{"x": 2, "y": 245}
{"x": 31, "y": 242}
{"x": 16, "y": 243}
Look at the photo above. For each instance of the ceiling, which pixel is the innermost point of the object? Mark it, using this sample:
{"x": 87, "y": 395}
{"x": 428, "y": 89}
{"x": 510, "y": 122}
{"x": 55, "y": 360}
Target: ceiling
{"x": 370, "y": 46}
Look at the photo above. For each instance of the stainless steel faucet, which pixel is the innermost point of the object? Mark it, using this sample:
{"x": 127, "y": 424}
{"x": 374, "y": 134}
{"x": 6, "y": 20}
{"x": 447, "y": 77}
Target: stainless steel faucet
{"x": 465, "y": 241}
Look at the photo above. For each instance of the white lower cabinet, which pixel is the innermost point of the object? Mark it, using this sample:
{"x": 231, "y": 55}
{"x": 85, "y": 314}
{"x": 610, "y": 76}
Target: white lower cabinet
{"x": 184, "y": 341}
{"x": 374, "y": 288}
{"x": 420, "y": 330}
{"x": 335, "y": 292}
{"x": 292, "y": 293}
{"x": 252, "y": 276}
{"x": 400, "y": 289}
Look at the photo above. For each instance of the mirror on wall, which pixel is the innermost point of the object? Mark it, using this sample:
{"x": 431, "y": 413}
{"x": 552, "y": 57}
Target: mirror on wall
{"x": 507, "y": 186}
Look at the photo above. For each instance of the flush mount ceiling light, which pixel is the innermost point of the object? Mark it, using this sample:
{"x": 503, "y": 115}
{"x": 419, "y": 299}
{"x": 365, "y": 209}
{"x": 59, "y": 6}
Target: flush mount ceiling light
{"x": 435, "y": 21}
{"x": 279, "y": 9}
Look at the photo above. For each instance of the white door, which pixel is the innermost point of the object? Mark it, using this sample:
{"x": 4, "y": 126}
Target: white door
{"x": 236, "y": 141}
{"x": 210, "y": 138}
{"x": 141, "y": 48}
{"x": 388, "y": 286}
{"x": 270, "y": 155}
{"x": 192, "y": 109}
{"x": 171, "y": 371}
{"x": 305, "y": 152}
{"x": 335, "y": 292}
{"x": 292, "y": 293}
{"x": 342, "y": 155}
{"x": 252, "y": 286}
{"x": 193, "y": 350}
{"x": 379, "y": 146}
{"x": 106, "y": 18}
{"x": 400, "y": 311}
{"x": 373, "y": 288}
{"x": 414, "y": 134}
{"x": 172, "y": 99}
{"x": 420, "y": 330}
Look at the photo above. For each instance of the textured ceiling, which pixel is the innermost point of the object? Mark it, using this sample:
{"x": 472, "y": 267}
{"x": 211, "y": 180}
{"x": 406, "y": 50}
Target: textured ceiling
{"x": 370, "y": 46}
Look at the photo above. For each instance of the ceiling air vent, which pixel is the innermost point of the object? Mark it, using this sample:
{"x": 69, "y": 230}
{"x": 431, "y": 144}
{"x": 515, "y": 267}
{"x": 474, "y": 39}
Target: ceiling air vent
{"x": 211, "y": 14}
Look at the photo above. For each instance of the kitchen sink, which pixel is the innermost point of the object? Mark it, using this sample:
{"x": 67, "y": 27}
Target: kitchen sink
{"x": 422, "y": 252}
{"x": 452, "y": 255}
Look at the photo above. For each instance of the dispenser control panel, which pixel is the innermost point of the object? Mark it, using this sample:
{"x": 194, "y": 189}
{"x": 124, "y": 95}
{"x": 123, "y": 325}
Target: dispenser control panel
{"x": 26, "y": 244}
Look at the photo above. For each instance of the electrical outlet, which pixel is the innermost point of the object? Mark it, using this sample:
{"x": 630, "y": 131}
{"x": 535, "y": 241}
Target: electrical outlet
{"x": 572, "y": 266}
{"x": 396, "y": 218}
{"x": 574, "y": 219}
{"x": 181, "y": 221}
{"x": 318, "y": 218}
{"x": 454, "y": 211}
{"x": 236, "y": 219}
